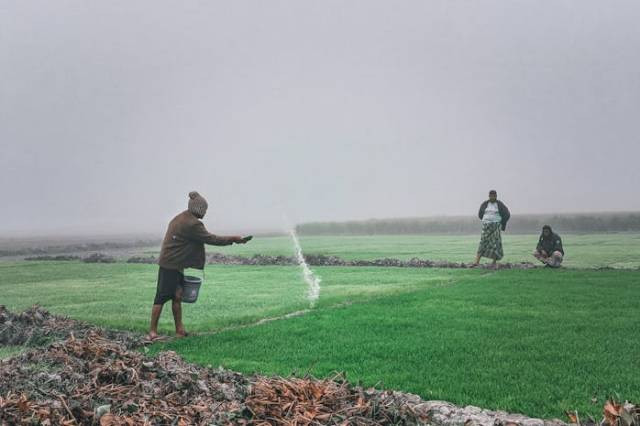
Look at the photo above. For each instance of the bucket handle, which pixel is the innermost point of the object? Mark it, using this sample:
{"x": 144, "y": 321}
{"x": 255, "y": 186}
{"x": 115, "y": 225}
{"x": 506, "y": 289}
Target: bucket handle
{"x": 196, "y": 270}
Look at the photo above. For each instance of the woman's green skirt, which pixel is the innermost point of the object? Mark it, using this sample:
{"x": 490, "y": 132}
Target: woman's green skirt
{"x": 491, "y": 241}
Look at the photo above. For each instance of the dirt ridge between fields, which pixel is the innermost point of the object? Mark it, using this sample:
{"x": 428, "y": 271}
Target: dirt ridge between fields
{"x": 311, "y": 259}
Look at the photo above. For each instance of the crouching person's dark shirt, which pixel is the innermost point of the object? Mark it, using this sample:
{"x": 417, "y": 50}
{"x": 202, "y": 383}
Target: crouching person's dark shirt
{"x": 550, "y": 244}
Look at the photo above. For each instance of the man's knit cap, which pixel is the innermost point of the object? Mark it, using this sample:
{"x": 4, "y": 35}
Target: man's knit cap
{"x": 197, "y": 204}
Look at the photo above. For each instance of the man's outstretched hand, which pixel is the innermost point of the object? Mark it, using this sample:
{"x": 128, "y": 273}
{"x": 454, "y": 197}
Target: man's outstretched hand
{"x": 243, "y": 240}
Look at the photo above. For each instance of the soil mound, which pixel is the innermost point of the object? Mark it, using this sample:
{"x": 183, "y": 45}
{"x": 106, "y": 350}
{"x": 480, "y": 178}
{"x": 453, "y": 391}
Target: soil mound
{"x": 324, "y": 260}
{"x": 60, "y": 257}
{"x": 99, "y": 258}
{"x": 311, "y": 259}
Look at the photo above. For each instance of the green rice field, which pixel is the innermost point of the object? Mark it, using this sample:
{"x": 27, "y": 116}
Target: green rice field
{"x": 582, "y": 251}
{"x": 533, "y": 341}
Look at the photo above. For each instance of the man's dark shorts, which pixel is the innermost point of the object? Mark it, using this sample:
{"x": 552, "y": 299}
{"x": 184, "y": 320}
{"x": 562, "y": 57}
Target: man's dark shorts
{"x": 169, "y": 281}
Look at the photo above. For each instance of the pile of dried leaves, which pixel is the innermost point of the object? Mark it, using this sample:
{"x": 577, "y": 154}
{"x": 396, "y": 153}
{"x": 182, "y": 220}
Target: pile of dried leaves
{"x": 615, "y": 414}
{"x": 94, "y": 377}
{"x": 36, "y": 327}
{"x": 96, "y": 380}
{"x": 334, "y": 401}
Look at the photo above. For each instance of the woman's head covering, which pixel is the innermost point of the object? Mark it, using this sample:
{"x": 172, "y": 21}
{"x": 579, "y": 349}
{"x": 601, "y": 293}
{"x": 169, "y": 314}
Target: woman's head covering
{"x": 547, "y": 227}
{"x": 197, "y": 204}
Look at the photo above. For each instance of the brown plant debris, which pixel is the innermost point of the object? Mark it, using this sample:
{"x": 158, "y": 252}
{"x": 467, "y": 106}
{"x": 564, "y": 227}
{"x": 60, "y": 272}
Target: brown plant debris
{"x": 614, "y": 414}
{"x": 96, "y": 380}
{"x": 305, "y": 401}
{"x": 95, "y": 377}
{"x": 36, "y": 327}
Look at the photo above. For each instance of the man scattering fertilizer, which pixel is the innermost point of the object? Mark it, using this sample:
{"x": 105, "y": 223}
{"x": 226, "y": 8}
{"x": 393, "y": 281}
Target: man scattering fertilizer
{"x": 183, "y": 247}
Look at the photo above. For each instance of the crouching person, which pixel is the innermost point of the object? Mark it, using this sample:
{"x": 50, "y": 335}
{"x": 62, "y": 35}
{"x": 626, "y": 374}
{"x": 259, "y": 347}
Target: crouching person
{"x": 183, "y": 247}
{"x": 549, "y": 250}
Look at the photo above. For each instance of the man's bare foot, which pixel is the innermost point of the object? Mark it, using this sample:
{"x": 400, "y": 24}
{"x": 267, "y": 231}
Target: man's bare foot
{"x": 181, "y": 332}
{"x": 474, "y": 265}
{"x": 152, "y": 336}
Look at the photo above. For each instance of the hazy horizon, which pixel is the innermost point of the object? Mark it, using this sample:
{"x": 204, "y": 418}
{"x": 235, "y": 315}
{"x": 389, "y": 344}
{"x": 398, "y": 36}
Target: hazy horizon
{"x": 287, "y": 112}
{"x": 70, "y": 235}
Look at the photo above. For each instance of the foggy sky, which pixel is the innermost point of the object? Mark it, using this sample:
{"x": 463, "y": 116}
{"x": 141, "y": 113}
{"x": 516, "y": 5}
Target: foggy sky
{"x": 111, "y": 112}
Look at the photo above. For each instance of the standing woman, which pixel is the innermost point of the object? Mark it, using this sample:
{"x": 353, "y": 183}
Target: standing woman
{"x": 494, "y": 215}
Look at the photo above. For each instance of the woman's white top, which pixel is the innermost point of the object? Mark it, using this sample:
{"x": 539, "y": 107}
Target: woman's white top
{"x": 492, "y": 213}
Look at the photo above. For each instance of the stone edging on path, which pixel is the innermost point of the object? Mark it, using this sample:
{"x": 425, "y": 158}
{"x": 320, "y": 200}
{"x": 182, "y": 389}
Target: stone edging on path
{"x": 442, "y": 413}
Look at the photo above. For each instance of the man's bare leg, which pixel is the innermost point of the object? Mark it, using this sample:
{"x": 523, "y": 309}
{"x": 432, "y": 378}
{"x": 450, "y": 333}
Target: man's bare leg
{"x": 176, "y": 307}
{"x": 477, "y": 261}
{"x": 155, "y": 316}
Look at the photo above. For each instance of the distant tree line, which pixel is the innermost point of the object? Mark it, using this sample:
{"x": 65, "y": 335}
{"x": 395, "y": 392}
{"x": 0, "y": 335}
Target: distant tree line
{"x": 519, "y": 224}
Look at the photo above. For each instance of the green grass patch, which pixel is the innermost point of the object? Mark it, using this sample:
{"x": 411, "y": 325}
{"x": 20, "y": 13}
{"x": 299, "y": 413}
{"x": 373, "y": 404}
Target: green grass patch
{"x": 536, "y": 342}
{"x": 9, "y": 351}
{"x": 120, "y": 295}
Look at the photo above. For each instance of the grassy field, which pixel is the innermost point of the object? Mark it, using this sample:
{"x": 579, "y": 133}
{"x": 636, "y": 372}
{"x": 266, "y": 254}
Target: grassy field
{"x": 120, "y": 295}
{"x": 582, "y": 251}
{"x": 536, "y": 342}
